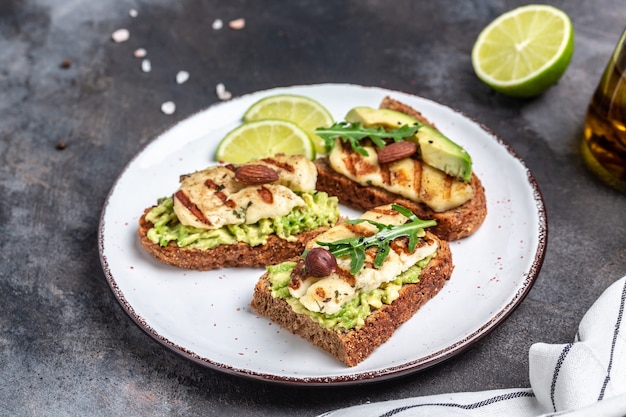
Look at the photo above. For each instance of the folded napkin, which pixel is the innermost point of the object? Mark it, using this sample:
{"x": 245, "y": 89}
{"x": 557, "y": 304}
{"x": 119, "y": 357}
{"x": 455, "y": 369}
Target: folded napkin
{"x": 583, "y": 378}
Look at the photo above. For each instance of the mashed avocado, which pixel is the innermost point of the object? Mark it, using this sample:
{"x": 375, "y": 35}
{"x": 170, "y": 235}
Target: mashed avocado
{"x": 352, "y": 315}
{"x": 320, "y": 210}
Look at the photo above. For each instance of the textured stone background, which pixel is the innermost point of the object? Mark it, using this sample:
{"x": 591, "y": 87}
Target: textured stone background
{"x": 67, "y": 347}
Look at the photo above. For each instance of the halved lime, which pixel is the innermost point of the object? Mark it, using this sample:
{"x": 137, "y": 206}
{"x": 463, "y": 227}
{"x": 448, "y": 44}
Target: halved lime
{"x": 307, "y": 113}
{"x": 524, "y": 51}
{"x": 264, "y": 138}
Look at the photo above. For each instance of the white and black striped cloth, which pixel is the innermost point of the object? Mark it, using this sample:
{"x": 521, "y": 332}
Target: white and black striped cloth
{"x": 583, "y": 378}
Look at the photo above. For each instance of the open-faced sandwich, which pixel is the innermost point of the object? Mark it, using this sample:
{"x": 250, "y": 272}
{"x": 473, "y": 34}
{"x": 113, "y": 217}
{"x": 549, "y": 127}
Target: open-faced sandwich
{"x": 393, "y": 154}
{"x": 245, "y": 215}
{"x": 357, "y": 282}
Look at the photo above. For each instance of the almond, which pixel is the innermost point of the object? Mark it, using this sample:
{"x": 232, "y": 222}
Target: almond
{"x": 396, "y": 151}
{"x": 255, "y": 174}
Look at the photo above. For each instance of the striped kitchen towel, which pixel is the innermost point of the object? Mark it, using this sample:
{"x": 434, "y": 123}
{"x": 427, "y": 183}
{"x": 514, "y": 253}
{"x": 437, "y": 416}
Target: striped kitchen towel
{"x": 583, "y": 378}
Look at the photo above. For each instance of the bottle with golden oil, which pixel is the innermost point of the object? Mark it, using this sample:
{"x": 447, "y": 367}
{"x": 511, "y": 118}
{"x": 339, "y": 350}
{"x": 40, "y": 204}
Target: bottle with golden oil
{"x": 604, "y": 144}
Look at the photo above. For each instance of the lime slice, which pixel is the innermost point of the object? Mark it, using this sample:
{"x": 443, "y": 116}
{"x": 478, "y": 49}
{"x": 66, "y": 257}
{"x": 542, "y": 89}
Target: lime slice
{"x": 264, "y": 138}
{"x": 307, "y": 113}
{"x": 524, "y": 51}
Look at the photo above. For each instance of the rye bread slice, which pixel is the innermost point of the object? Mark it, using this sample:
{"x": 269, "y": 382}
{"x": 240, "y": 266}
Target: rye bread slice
{"x": 239, "y": 254}
{"x": 353, "y": 346}
{"x": 452, "y": 225}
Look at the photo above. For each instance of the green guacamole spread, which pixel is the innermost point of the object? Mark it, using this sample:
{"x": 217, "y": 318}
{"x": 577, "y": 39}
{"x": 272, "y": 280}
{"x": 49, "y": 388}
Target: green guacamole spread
{"x": 319, "y": 210}
{"x": 352, "y": 315}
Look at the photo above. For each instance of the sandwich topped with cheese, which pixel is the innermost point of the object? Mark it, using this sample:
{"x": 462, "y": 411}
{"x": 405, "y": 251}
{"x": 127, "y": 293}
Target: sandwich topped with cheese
{"x": 239, "y": 215}
{"x": 357, "y": 282}
{"x": 394, "y": 154}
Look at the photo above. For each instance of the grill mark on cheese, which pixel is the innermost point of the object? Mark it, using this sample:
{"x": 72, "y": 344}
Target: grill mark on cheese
{"x": 362, "y": 165}
{"x": 217, "y": 188}
{"x": 385, "y": 173}
{"x": 266, "y": 195}
{"x": 282, "y": 165}
{"x": 346, "y": 276}
{"x": 354, "y": 162}
{"x": 359, "y": 229}
{"x": 401, "y": 245}
{"x": 417, "y": 176}
{"x": 399, "y": 177}
{"x": 193, "y": 208}
{"x": 384, "y": 211}
{"x": 447, "y": 189}
{"x": 346, "y": 155}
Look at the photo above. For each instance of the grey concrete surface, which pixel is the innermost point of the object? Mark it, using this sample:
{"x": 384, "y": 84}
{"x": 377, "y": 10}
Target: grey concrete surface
{"x": 75, "y": 107}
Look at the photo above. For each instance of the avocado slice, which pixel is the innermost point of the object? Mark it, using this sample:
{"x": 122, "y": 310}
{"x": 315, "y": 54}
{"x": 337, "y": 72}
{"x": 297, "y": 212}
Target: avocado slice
{"x": 436, "y": 149}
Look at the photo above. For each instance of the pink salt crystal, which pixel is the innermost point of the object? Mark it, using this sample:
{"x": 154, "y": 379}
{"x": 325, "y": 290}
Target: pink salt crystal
{"x": 140, "y": 53}
{"x": 237, "y": 24}
{"x": 120, "y": 35}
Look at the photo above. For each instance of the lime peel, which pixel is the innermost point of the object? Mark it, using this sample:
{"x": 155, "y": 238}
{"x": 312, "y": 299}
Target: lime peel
{"x": 264, "y": 138}
{"x": 304, "y": 111}
{"x": 517, "y": 38}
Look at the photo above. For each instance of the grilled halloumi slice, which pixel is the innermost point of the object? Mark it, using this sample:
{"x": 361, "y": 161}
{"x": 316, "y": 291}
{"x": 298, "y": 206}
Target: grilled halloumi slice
{"x": 328, "y": 294}
{"x": 213, "y": 198}
{"x": 410, "y": 178}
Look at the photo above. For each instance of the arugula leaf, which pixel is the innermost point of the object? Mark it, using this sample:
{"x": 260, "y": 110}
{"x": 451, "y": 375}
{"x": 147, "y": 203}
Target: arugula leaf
{"x": 353, "y": 133}
{"x": 355, "y": 246}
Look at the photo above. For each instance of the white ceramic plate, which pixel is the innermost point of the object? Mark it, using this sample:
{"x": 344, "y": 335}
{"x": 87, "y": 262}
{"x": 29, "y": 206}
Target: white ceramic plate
{"x": 205, "y": 316}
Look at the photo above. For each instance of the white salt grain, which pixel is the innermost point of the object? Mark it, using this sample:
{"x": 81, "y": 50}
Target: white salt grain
{"x": 120, "y": 35}
{"x": 168, "y": 107}
{"x": 217, "y": 24}
{"x": 222, "y": 93}
{"x": 237, "y": 24}
{"x": 133, "y": 13}
{"x": 146, "y": 66}
{"x": 140, "y": 53}
{"x": 181, "y": 77}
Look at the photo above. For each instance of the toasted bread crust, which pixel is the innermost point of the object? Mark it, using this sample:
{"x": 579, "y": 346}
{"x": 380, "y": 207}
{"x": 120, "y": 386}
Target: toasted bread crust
{"x": 352, "y": 347}
{"x": 453, "y": 224}
{"x": 239, "y": 254}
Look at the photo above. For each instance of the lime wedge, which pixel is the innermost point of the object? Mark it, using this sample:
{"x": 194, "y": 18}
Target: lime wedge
{"x": 524, "y": 51}
{"x": 307, "y": 113}
{"x": 264, "y": 138}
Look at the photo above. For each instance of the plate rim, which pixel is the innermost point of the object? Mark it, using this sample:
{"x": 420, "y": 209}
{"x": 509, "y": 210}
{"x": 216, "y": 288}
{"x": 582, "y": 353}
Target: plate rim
{"x": 392, "y": 372}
